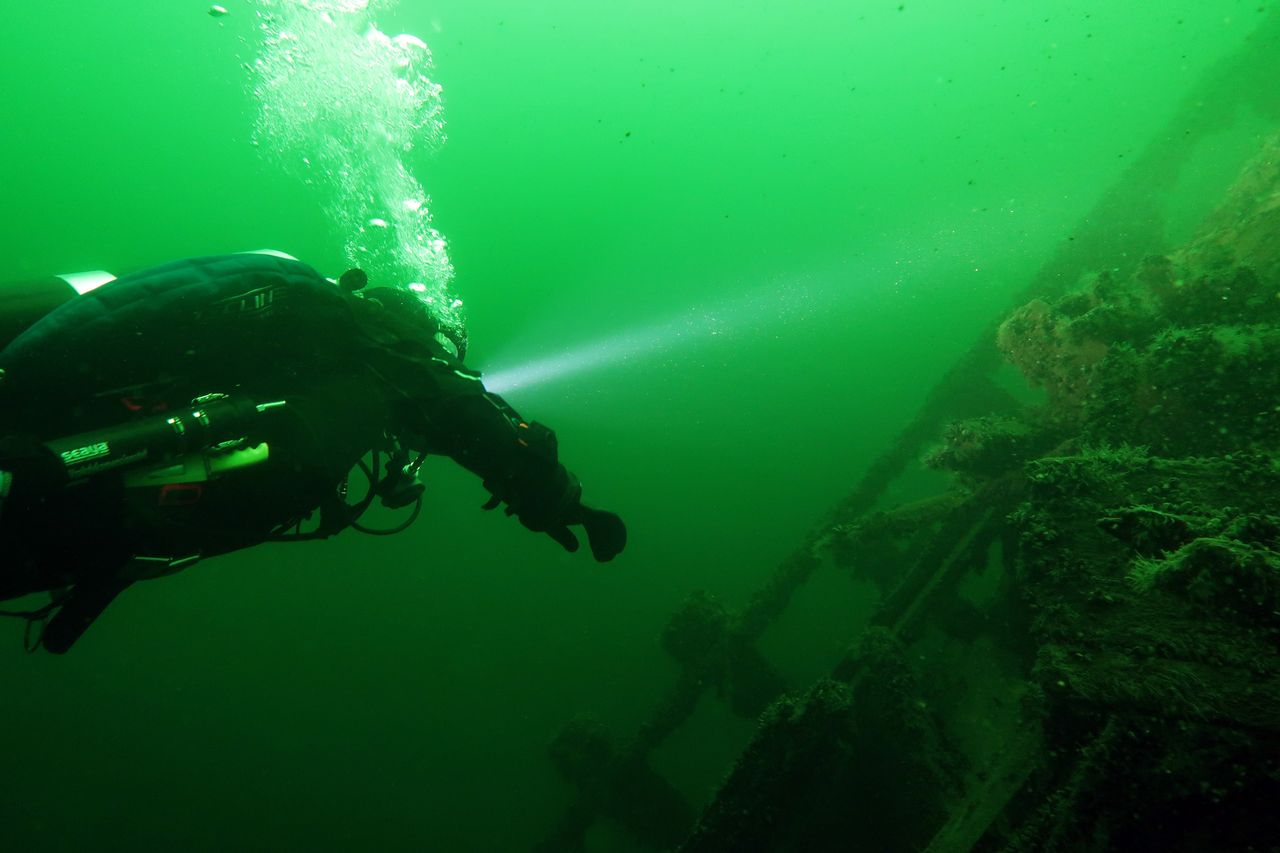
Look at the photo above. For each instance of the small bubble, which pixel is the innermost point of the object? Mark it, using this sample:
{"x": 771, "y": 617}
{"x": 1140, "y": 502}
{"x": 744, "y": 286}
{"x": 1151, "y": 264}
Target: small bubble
{"x": 411, "y": 43}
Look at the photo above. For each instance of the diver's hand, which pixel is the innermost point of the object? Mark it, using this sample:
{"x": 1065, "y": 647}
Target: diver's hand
{"x": 606, "y": 532}
{"x": 564, "y": 537}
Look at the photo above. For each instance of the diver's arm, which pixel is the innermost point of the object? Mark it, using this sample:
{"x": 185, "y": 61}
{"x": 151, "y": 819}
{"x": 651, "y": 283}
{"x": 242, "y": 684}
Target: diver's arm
{"x": 518, "y": 461}
{"x": 440, "y": 406}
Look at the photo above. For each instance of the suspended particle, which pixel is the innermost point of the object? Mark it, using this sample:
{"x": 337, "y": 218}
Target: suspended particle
{"x": 218, "y": 12}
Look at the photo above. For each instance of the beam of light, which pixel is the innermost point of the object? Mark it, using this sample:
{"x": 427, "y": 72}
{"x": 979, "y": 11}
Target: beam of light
{"x": 695, "y": 326}
{"x": 890, "y": 268}
{"x": 593, "y": 355}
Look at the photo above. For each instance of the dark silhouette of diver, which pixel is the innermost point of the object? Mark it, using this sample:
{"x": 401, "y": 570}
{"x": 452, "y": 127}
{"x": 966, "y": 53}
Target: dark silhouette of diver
{"x": 216, "y": 403}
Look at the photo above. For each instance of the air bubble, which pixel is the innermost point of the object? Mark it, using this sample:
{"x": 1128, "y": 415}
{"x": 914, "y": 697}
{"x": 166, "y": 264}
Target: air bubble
{"x": 344, "y": 7}
{"x": 342, "y": 104}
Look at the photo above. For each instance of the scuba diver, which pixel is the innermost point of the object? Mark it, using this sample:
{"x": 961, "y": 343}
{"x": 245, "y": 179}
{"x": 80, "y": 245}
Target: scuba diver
{"x": 212, "y": 404}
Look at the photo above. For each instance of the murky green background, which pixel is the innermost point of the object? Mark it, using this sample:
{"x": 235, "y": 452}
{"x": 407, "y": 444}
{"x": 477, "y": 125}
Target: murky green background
{"x": 850, "y": 190}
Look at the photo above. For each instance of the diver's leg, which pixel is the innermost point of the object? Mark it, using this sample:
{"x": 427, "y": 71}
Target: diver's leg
{"x": 82, "y": 605}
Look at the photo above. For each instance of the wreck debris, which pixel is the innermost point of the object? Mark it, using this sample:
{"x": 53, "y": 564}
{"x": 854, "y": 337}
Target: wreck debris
{"x": 1115, "y": 683}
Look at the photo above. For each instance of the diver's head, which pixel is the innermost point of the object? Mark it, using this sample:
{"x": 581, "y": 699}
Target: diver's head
{"x": 415, "y": 316}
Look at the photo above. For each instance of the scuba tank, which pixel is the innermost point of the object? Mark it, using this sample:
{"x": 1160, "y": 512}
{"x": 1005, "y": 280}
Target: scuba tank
{"x": 22, "y": 303}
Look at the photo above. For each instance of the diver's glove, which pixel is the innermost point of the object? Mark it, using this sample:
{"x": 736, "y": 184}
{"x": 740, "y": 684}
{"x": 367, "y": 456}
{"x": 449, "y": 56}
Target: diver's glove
{"x": 546, "y": 498}
{"x": 606, "y": 532}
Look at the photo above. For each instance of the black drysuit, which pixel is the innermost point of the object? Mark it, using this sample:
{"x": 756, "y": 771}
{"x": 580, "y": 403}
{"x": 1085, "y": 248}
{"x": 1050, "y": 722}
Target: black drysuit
{"x": 354, "y": 374}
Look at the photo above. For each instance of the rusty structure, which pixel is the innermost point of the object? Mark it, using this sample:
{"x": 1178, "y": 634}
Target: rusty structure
{"x": 1077, "y": 645}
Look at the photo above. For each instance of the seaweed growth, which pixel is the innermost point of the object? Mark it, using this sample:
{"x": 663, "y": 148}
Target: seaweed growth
{"x": 1117, "y": 686}
{"x": 1077, "y": 644}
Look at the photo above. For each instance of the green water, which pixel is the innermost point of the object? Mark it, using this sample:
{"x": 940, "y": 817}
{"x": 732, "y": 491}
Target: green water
{"x": 846, "y": 194}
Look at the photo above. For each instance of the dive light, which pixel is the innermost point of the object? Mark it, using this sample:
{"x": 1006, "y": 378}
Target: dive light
{"x": 211, "y": 422}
